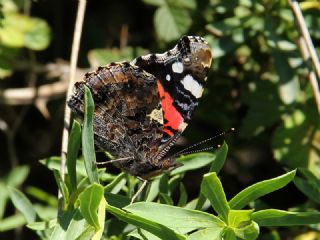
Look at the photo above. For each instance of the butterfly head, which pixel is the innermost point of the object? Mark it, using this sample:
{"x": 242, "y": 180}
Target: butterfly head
{"x": 195, "y": 55}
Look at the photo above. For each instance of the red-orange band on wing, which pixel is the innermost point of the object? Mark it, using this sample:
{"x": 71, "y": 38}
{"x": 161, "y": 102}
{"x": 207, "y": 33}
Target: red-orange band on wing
{"x": 171, "y": 115}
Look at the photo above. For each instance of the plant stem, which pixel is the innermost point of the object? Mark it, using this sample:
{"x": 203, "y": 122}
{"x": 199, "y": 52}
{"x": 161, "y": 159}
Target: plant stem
{"x": 307, "y": 49}
{"x": 73, "y": 66}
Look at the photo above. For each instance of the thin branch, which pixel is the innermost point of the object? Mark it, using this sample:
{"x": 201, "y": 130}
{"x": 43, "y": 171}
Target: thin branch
{"x": 312, "y": 75}
{"x": 53, "y": 90}
{"x": 73, "y": 66}
{"x": 307, "y": 49}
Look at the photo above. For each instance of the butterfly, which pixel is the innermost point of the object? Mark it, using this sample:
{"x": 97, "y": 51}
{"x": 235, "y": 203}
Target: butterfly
{"x": 143, "y": 106}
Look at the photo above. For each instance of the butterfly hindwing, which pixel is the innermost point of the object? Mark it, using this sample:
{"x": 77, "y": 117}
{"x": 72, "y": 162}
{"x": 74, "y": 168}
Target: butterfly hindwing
{"x": 127, "y": 109}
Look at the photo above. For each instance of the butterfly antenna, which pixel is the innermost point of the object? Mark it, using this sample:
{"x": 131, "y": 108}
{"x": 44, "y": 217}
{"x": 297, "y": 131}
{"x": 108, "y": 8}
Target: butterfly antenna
{"x": 115, "y": 160}
{"x": 200, "y": 150}
{"x": 184, "y": 151}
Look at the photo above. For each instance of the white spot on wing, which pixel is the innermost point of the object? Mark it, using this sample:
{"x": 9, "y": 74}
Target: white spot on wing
{"x": 192, "y": 86}
{"x": 168, "y": 77}
{"x": 177, "y": 67}
{"x": 146, "y": 57}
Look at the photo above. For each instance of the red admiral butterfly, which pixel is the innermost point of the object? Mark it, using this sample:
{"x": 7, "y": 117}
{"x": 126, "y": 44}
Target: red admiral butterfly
{"x": 143, "y": 106}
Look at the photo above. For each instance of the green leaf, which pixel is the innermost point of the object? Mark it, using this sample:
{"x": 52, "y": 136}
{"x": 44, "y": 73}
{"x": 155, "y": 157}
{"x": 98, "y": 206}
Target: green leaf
{"x": 206, "y": 234}
{"x": 38, "y": 36}
{"x": 62, "y": 187}
{"x": 193, "y": 161}
{"x": 238, "y": 218}
{"x": 3, "y": 198}
{"x": 22, "y": 31}
{"x": 309, "y": 190}
{"x": 88, "y": 139}
{"x": 260, "y": 189}
{"x": 155, "y": 228}
{"x": 78, "y": 227}
{"x": 248, "y": 232}
{"x": 41, "y": 226}
{"x": 14, "y": 179}
{"x": 221, "y": 156}
{"x": 187, "y": 4}
{"x": 274, "y": 217}
{"x": 212, "y": 189}
{"x": 12, "y": 222}
{"x": 293, "y": 142}
{"x": 98, "y": 57}
{"x": 216, "y": 166}
{"x": 90, "y": 200}
{"x": 22, "y": 203}
{"x": 42, "y": 195}
{"x": 153, "y": 190}
{"x": 101, "y": 219}
{"x": 164, "y": 183}
{"x": 289, "y": 82}
{"x": 183, "y": 195}
{"x": 11, "y": 34}
{"x": 116, "y": 184}
{"x": 53, "y": 163}
{"x": 60, "y": 230}
{"x": 73, "y": 149}
{"x": 310, "y": 186}
{"x": 117, "y": 200}
{"x": 261, "y": 95}
{"x": 17, "y": 176}
{"x": 165, "y": 199}
{"x": 155, "y": 2}
{"x": 171, "y": 23}
{"x": 228, "y": 234}
{"x": 180, "y": 219}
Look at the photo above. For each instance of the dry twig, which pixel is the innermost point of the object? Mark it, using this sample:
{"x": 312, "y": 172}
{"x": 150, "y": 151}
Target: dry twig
{"x": 307, "y": 50}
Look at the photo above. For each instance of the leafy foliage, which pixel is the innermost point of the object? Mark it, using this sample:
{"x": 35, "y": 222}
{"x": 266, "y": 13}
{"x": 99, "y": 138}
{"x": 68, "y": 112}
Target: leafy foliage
{"x": 84, "y": 216}
{"x": 259, "y": 84}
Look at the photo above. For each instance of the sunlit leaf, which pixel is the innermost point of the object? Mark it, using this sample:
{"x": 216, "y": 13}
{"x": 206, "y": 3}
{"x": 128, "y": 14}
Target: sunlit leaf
{"x": 171, "y": 23}
{"x": 90, "y": 200}
{"x": 22, "y": 203}
{"x": 155, "y": 228}
{"x": 88, "y": 139}
{"x": 260, "y": 189}
{"x": 212, "y": 189}
{"x": 274, "y": 217}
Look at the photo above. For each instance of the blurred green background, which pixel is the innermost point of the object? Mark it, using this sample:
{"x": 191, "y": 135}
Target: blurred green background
{"x": 258, "y": 84}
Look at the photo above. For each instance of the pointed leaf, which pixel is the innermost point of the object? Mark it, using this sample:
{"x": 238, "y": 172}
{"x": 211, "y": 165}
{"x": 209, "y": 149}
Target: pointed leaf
{"x": 212, "y": 189}
{"x": 87, "y": 138}
{"x": 155, "y": 228}
{"x": 41, "y": 226}
{"x": 216, "y": 166}
{"x": 220, "y": 158}
{"x": 73, "y": 148}
{"x": 179, "y": 219}
{"x": 12, "y": 222}
{"x": 171, "y": 22}
{"x": 22, "y": 203}
{"x": 206, "y": 234}
{"x": 260, "y": 189}
{"x": 90, "y": 200}
{"x": 193, "y": 161}
{"x": 275, "y": 217}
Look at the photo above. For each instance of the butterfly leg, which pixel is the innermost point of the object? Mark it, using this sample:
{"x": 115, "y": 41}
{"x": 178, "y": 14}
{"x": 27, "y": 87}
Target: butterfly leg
{"x": 114, "y": 160}
{"x": 144, "y": 184}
